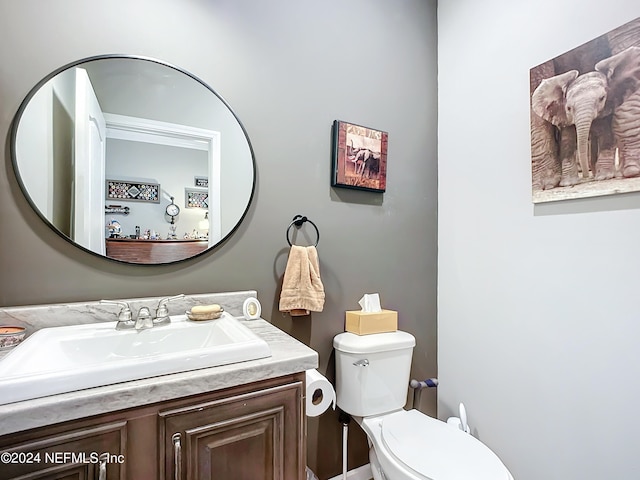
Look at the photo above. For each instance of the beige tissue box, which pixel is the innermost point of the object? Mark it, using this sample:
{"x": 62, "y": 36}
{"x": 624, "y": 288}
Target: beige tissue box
{"x": 365, "y": 323}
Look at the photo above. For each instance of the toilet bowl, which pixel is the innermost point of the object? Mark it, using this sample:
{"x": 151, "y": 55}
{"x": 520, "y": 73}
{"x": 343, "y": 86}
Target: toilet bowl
{"x": 372, "y": 377}
{"x": 410, "y": 445}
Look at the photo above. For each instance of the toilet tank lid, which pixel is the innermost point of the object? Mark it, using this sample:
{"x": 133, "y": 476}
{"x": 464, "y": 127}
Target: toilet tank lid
{"x": 376, "y": 342}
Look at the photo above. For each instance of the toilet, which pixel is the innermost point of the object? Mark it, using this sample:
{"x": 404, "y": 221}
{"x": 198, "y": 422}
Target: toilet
{"x": 372, "y": 377}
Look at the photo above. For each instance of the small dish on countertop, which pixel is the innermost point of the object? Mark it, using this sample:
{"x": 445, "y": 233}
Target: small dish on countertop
{"x": 10, "y": 336}
{"x": 202, "y": 317}
{"x": 200, "y": 313}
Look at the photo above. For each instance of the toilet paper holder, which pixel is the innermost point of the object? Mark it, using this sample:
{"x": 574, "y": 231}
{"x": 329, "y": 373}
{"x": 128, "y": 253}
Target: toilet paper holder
{"x": 320, "y": 394}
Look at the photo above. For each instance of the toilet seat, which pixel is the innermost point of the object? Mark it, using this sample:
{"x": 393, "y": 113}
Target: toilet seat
{"x": 438, "y": 451}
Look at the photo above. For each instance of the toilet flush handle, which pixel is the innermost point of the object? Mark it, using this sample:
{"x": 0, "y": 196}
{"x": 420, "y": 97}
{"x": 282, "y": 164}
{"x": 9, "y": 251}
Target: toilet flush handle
{"x": 362, "y": 363}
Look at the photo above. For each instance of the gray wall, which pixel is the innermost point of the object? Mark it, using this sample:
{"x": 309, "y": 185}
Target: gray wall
{"x": 288, "y": 68}
{"x": 538, "y": 305}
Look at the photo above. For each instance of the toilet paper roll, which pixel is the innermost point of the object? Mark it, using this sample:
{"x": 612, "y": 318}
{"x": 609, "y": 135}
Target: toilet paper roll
{"x": 320, "y": 394}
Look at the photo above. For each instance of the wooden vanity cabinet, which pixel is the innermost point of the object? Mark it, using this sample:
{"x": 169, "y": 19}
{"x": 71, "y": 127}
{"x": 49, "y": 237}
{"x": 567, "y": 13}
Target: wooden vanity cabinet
{"x": 94, "y": 452}
{"x": 247, "y": 432}
{"x": 252, "y": 436}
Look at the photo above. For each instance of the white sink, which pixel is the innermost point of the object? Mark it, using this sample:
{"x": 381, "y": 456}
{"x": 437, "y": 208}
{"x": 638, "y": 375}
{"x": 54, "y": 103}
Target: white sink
{"x": 64, "y": 359}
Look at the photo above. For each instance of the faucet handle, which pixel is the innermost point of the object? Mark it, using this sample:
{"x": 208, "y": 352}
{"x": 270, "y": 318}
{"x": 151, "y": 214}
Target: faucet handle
{"x": 163, "y": 301}
{"x": 162, "y": 312}
{"x": 124, "y": 315}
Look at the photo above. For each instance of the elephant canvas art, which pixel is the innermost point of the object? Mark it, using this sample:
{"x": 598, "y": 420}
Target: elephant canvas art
{"x": 585, "y": 119}
{"x": 359, "y": 157}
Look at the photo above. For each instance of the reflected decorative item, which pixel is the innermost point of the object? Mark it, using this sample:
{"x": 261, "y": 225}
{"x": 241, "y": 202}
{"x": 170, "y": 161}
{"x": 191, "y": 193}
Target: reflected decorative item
{"x": 203, "y": 225}
{"x": 196, "y": 198}
{"x": 114, "y": 228}
{"x": 201, "y": 182}
{"x": 133, "y": 191}
{"x": 172, "y": 211}
{"x": 117, "y": 209}
{"x": 359, "y": 156}
{"x": 585, "y": 115}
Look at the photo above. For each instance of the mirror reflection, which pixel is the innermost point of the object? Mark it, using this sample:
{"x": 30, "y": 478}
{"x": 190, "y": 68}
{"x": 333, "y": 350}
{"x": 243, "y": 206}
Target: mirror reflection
{"x": 133, "y": 159}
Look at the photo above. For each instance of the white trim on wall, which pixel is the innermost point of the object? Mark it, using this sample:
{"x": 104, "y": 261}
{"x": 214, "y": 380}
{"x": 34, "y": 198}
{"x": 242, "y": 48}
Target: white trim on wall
{"x": 124, "y": 127}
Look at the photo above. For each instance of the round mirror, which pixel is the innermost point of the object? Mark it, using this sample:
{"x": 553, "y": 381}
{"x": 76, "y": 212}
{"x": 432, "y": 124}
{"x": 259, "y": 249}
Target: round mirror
{"x": 133, "y": 159}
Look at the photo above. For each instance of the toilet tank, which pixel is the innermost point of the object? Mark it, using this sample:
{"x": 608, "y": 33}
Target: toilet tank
{"x": 372, "y": 371}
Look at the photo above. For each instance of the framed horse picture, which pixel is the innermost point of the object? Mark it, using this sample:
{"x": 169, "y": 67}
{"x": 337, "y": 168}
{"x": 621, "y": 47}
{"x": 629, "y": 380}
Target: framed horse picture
{"x": 359, "y": 157}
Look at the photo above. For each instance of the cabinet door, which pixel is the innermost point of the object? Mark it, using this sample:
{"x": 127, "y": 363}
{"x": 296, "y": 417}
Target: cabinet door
{"x": 251, "y": 436}
{"x": 92, "y": 453}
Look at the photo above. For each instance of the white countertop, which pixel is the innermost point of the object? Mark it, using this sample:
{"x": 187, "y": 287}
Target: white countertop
{"x": 288, "y": 356}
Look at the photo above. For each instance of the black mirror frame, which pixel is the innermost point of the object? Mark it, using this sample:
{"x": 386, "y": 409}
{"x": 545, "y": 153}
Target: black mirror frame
{"x": 16, "y": 170}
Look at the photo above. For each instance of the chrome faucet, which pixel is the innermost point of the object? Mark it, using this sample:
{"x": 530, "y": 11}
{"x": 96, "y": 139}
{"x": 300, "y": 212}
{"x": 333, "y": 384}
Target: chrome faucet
{"x": 125, "y": 317}
{"x": 162, "y": 312}
{"x": 144, "y": 319}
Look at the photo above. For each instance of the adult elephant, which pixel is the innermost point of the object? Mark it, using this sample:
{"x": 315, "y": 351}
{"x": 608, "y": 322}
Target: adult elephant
{"x": 625, "y": 122}
{"x": 626, "y": 128}
{"x": 545, "y": 165}
{"x": 582, "y": 105}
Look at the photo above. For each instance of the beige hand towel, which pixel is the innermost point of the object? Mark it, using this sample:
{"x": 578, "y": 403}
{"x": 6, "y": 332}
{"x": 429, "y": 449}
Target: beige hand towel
{"x": 302, "y": 289}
